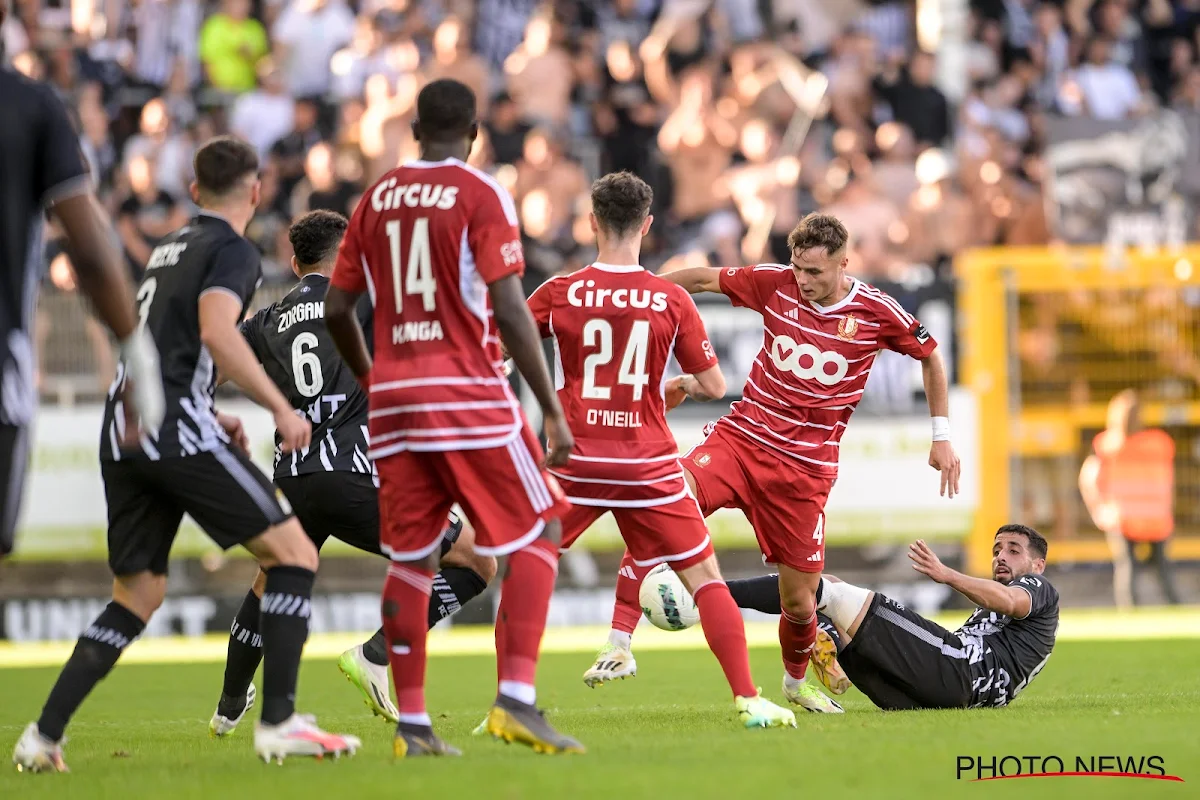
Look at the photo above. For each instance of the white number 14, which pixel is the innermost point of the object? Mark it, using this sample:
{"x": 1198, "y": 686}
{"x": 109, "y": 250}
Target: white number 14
{"x": 419, "y": 279}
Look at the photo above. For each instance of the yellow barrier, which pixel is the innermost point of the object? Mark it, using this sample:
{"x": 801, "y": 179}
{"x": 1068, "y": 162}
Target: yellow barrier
{"x": 1093, "y": 325}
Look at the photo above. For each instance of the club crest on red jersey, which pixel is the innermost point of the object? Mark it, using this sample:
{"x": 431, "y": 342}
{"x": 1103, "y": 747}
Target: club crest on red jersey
{"x": 703, "y": 459}
{"x": 847, "y": 328}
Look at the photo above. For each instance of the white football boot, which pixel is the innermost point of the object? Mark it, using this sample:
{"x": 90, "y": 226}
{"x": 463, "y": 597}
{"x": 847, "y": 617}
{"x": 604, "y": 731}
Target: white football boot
{"x": 36, "y": 753}
{"x": 810, "y": 698}
{"x": 612, "y": 663}
{"x": 372, "y": 682}
{"x": 298, "y": 735}
{"x": 221, "y": 725}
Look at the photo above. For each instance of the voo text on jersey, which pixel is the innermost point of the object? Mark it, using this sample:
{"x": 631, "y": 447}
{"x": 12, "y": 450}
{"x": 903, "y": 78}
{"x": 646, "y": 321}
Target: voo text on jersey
{"x": 388, "y": 196}
{"x": 301, "y": 313}
{"x": 424, "y": 331}
{"x": 614, "y": 419}
{"x": 580, "y": 295}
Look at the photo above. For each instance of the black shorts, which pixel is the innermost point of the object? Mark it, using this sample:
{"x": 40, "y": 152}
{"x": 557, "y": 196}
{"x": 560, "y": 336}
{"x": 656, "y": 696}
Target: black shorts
{"x": 14, "y": 462}
{"x": 222, "y": 490}
{"x": 900, "y": 660}
{"x": 344, "y": 505}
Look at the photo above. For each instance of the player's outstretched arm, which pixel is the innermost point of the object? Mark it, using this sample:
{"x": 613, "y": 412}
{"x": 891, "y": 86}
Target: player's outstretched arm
{"x": 695, "y": 279}
{"x": 1011, "y": 601}
{"x": 941, "y": 454}
{"x": 101, "y": 274}
{"x": 520, "y": 335}
{"x": 219, "y": 313}
{"x": 341, "y": 318}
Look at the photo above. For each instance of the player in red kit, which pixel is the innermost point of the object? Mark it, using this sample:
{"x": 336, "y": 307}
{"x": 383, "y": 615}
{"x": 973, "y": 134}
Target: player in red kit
{"x": 436, "y": 244}
{"x": 615, "y": 327}
{"x": 775, "y": 454}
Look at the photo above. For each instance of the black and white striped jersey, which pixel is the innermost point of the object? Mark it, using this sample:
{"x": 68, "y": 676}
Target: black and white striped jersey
{"x": 206, "y": 255}
{"x": 40, "y": 164}
{"x": 290, "y": 339}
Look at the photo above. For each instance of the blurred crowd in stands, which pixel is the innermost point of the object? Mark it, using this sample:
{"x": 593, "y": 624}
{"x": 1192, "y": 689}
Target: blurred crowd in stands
{"x": 742, "y": 114}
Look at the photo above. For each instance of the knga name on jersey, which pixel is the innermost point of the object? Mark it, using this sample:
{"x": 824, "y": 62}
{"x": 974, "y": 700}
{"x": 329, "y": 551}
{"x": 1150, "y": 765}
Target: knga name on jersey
{"x": 388, "y": 196}
{"x": 580, "y": 295}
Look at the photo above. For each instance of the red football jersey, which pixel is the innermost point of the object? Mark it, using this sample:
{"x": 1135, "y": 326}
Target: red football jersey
{"x": 426, "y": 241}
{"x": 811, "y": 371}
{"x": 614, "y": 330}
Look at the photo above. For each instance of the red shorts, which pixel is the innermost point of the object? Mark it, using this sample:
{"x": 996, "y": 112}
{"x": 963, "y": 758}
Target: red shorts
{"x": 673, "y": 533}
{"x": 506, "y": 496}
{"x": 785, "y": 504}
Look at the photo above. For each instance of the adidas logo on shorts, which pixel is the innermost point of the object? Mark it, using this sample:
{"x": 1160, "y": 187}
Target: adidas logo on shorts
{"x": 815, "y": 557}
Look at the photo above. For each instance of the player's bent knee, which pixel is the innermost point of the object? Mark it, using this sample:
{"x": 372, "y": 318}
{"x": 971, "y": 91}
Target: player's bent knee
{"x": 141, "y": 593}
{"x": 463, "y": 554}
{"x": 798, "y": 602}
{"x": 697, "y": 575}
{"x": 284, "y": 545}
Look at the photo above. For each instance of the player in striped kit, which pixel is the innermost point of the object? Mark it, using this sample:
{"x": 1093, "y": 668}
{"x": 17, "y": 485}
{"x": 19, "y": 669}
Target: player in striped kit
{"x": 615, "y": 327}
{"x": 775, "y": 454}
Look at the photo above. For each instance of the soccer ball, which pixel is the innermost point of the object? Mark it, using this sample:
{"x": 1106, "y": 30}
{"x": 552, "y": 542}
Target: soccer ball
{"x": 665, "y": 602}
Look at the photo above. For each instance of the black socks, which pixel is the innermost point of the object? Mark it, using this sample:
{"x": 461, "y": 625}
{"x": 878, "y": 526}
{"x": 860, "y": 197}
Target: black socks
{"x": 759, "y": 594}
{"x": 242, "y": 657}
{"x": 453, "y": 588}
{"x": 95, "y": 654}
{"x": 286, "y": 608}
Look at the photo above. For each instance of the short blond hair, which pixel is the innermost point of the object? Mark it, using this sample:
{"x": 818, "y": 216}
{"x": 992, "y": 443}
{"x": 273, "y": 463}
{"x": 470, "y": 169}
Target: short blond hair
{"x": 819, "y": 230}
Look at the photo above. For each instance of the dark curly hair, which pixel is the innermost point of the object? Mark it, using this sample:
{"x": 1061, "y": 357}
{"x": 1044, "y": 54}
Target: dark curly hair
{"x": 315, "y": 238}
{"x": 621, "y": 201}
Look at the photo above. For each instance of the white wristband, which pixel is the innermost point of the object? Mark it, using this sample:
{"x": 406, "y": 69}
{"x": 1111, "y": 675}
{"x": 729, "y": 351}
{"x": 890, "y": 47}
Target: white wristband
{"x": 941, "y": 429}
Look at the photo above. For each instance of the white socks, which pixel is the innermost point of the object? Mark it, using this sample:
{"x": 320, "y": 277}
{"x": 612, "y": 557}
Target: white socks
{"x": 620, "y": 639}
{"x": 842, "y": 602}
{"x": 790, "y": 683}
{"x": 416, "y": 719}
{"x": 521, "y": 692}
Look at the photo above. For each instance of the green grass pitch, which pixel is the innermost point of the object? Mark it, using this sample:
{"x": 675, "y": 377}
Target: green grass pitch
{"x": 670, "y": 732}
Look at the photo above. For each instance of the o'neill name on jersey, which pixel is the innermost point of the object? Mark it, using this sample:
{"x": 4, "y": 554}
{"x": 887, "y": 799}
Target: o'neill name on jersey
{"x": 614, "y": 419}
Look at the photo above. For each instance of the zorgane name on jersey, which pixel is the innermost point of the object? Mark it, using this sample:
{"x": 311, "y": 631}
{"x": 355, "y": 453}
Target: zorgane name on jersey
{"x": 204, "y": 256}
{"x": 810, "y": 374}
{"x": 425, "y": 242}
{"x": 614, "y": 330}
{"x": 290, "y": 340}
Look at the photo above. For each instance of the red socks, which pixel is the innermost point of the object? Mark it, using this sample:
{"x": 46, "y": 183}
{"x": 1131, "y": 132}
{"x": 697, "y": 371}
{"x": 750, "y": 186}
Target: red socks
{"x": 726, "y": 635}
{"x": 406, "y": 626}
{"x": 796, "y": 639}
{"x": 524, "y": 603}
{"x": 627, "y": 609}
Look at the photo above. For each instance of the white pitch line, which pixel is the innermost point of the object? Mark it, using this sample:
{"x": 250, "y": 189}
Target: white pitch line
{"x": 479, "y": 640}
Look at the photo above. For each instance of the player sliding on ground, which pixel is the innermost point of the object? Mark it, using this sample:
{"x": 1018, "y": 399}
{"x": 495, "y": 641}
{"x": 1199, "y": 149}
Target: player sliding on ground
{"x": 615, "y": 327}
{"x": 900, "y": 660}
{"x": 331, "y": 485}
{"x": 775, "y": 454}
{"x": 436, "y": 244}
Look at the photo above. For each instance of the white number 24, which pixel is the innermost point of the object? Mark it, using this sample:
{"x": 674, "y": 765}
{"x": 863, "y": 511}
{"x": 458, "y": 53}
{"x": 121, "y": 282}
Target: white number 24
{"x": 632, "y": 372}
{"x": 419, "y": 278}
